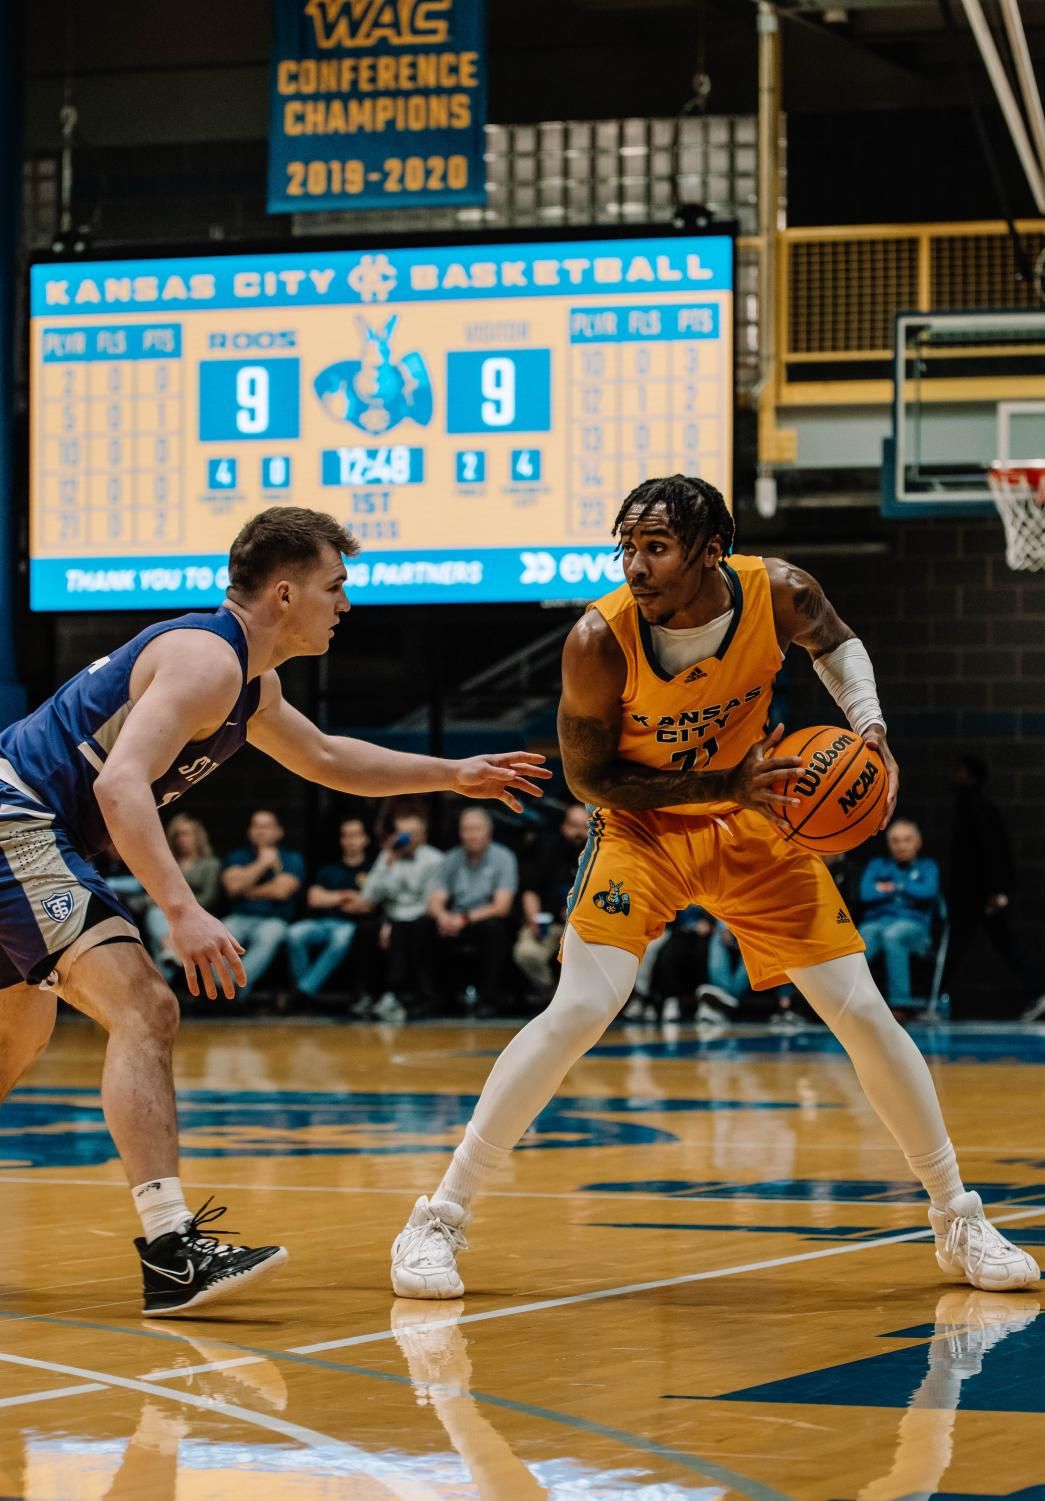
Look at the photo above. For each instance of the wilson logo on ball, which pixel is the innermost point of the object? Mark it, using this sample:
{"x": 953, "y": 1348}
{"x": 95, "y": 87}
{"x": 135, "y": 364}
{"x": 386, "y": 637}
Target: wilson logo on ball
{"x": 819, "y": 764}
{"x": 841, "y": 785}
{"x": 860, "y": 788}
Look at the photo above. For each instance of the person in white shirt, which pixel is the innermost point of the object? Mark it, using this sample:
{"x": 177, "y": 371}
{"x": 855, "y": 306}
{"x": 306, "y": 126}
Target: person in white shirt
{"x": 398, "y": 886}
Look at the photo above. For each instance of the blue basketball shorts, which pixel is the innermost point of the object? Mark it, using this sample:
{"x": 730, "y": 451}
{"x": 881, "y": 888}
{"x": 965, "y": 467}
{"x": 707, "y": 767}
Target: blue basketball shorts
{"x": 51, "y": 897}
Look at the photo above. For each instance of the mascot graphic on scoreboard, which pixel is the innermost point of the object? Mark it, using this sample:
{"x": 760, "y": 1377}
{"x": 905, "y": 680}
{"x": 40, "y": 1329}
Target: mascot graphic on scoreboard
{"x": 377, "y": 391}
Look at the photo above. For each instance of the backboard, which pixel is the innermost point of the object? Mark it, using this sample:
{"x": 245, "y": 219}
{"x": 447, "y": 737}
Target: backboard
{"x": 969, "y": 388}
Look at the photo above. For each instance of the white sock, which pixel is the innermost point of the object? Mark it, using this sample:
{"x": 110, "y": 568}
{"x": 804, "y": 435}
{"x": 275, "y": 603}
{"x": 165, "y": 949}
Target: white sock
{"x": 470, "y": 1167}
{"x": 161, "y": 1207}
{"x": 938, "y": 1172}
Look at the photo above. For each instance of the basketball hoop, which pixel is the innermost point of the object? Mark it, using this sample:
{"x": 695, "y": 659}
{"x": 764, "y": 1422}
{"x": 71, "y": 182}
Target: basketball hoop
{"x": 1019, "y": 494}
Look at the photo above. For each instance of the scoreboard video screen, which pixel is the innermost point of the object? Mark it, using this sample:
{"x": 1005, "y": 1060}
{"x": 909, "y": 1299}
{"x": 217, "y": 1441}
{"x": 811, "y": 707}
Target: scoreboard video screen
{"x": 474, "y": 413}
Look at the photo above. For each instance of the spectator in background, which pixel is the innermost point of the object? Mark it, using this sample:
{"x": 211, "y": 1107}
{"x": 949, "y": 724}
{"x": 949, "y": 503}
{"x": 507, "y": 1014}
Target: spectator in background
{"x": 261, "y": 882}
{"x": 980, "y": 880}
{"x": 470, "y": 901}
{"x": 316, "y": 945}
{"x": 188, "y": 843}
{"x": 397, "y": 887}
{"x": 682, "y": 965}
{"x": 727, "y": 973}
{"x": 544, "y": 898}
{"x": 898, "y": 897}
{"x": 846, "y": 877}
{"x": 124, "y": 882}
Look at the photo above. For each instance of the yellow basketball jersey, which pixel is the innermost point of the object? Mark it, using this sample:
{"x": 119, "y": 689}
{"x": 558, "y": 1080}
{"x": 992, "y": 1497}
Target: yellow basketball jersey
{"x": 708, "y": 716}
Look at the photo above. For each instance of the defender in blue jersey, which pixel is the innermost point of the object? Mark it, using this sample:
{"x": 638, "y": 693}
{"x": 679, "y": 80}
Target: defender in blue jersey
{"x": 89, "y": 770}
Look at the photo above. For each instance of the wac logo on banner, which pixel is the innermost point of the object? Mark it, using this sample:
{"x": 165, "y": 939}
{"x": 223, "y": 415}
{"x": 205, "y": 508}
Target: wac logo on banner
{"x": 361, "y": 23}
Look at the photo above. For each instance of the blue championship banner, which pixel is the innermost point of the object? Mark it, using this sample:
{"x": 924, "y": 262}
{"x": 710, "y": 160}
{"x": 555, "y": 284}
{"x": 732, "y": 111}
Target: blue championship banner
{"x": 376, "y": 104}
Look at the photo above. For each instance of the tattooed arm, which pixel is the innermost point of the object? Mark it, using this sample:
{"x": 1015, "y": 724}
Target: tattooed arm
{"x": 593, "y": 677}
{"x": 803, "y": 613}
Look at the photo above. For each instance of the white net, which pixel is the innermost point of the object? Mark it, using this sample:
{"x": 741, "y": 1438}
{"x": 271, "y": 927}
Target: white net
{"x": 1019, "y": 494}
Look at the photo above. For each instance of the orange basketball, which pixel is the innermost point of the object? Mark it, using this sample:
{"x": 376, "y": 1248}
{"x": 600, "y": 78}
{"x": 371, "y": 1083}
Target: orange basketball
{"x": 842, "y": 788}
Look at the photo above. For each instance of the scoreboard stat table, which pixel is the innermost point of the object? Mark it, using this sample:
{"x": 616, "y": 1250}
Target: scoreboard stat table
{"x": 474, "y": 414}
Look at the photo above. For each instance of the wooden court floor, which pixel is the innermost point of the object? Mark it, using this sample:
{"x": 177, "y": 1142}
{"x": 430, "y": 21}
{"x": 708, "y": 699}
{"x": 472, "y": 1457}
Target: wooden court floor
{"x": 704, "y": 1275}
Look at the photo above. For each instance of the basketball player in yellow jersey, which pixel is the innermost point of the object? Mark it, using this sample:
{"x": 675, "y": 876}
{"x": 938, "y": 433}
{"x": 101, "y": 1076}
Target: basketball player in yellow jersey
{"x": 666, "y": 685}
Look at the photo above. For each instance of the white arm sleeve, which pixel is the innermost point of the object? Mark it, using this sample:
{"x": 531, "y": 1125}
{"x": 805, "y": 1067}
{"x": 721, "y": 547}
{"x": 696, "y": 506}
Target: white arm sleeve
{"x": 848, "y": 676}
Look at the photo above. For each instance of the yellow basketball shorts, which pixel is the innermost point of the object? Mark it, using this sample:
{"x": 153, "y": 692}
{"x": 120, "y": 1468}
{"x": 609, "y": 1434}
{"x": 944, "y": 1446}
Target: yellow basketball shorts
{"x": 779, "y": 901}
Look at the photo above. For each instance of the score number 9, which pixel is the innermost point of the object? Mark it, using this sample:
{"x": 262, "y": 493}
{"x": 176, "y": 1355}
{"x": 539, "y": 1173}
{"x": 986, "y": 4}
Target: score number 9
{"x": 252, "y": 399}
{"x": 497, "y": 385}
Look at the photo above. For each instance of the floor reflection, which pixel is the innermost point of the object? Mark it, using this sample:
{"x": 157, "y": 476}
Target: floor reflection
{"x": 436, "y": 1354}
{"x": 969, "y": 1326}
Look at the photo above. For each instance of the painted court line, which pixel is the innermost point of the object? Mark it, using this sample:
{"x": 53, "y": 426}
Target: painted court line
{"x": 493, "y": 1193}
{"x": 642, "y": 1287}
{"x": 631, "y": 1442}
{"x": 307, "y": 1436}
{"x": 538, "y": 1307}
{"x": 53, "y": 1394}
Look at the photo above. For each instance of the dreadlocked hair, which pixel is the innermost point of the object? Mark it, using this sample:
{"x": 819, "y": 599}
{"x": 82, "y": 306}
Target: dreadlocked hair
{"x": 695, "y": 511}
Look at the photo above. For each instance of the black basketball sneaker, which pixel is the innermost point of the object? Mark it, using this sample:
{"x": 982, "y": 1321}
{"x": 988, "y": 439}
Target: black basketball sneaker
{"x": 185, "y": 1268}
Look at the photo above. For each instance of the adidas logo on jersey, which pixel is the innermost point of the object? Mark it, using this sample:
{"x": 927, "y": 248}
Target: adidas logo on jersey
{"x": 843, "y": 917}
{"x": 696, "y": 674}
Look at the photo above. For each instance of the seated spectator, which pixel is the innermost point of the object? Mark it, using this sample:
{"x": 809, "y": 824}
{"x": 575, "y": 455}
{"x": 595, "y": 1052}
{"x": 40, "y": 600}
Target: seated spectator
{"x": 729, "y": 986}
{"x": 397, "y": 887}
{"x": 727, "y": 973}
{"x": 673, "y": 970}
{"x": 682, "y": 964}
{"x": 188, "y": 843}
{"x": 469, "y": 903}
{"x": 316, "y": 945}
{"x": 544, "y": 898}
{"x": 899, "y": 896}
{"x": 261, "y": 882}
{"x": 122, "y": 880}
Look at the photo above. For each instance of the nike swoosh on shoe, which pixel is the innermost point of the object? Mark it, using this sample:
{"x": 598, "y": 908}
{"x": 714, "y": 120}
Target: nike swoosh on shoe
{"x": 184, "y": 1278}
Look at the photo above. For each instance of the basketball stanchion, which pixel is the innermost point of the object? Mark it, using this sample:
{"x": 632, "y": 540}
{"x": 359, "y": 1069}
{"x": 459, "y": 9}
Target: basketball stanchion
{"x": 1018, "y": 488}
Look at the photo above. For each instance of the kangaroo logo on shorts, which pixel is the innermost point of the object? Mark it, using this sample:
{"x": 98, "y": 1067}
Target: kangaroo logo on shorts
{"x": 58, "y": 906}
{"x": 613, "y": 901}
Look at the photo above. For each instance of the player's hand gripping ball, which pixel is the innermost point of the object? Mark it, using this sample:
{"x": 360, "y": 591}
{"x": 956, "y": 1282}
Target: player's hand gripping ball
{"x": 841, "y": 789}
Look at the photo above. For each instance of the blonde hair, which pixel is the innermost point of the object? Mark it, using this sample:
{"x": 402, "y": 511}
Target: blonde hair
{"x": 186, "y": 821}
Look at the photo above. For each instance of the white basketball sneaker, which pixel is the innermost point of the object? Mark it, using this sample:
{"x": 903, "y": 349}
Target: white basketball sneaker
{"x": 424, "y": 1253}
{"x": 969, "y": 1246}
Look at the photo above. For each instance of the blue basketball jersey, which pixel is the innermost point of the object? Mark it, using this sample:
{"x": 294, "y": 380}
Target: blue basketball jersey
{"x": 57, "y": 751}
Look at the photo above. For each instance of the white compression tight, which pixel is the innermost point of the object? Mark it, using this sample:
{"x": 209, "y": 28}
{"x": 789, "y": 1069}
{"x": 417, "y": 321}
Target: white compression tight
{"x": 892, "y": 1072}
{"x": 595, "y": 983}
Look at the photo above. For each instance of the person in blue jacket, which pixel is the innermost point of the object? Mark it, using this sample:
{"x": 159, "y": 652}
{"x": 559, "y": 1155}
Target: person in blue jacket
{"x": 898, "y": 897}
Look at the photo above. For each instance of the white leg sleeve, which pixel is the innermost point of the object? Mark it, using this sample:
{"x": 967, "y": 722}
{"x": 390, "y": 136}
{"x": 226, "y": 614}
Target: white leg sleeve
{"x": 892, "y": 1072}
{"x": 596, "y": 981}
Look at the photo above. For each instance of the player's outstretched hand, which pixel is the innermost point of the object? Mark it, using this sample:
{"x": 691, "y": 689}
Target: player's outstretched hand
{"x": 875, "y": 738}
{"x": 207, "y": 949}
{"x": 501, "y": 776}
{"x": 757, "y": 782}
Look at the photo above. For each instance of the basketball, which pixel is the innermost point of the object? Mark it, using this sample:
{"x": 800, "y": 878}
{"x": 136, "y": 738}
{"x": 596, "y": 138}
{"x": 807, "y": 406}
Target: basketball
{"x": 842, "y": 787}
